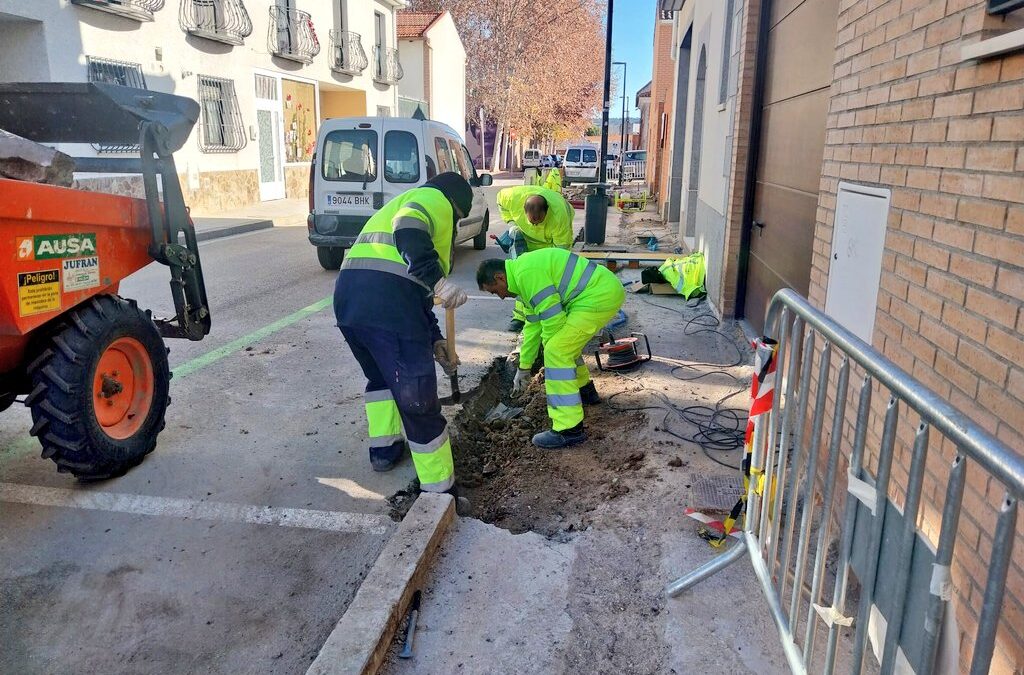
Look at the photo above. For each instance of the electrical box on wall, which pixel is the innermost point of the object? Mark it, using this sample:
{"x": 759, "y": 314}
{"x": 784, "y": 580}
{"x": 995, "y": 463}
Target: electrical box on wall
{"x": 855, "y": 264}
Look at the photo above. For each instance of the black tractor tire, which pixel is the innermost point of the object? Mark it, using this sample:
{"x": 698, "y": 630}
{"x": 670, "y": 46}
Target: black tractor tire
{"x": 330, "y": 257}
{"x": 7, "y": 400}
{"x": 63, "y": 400}
{"x": 480, "y": 240}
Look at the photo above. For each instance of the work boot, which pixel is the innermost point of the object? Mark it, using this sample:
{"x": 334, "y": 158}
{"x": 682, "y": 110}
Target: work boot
{"x": 553, "y": 440}
{"x": 588, "y": 393}
{"x": 515, "y": 326}
{"x": 384, "y": 459}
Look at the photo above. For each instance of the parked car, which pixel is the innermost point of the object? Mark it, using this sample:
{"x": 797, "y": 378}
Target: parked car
{"x": 634, "y": 156}
{"x": 363, "y": 162}
{"x": 580, "y": 164}
{"x": 531, "y": 158}
{"x": 550, "y": 161}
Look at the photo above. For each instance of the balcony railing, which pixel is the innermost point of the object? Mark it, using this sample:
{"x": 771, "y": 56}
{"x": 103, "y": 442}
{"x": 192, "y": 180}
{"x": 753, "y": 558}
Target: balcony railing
{"x": 139, "y": 10}
{"x": 224, "y": 21}
{"x": 386, "y": 67}
{"x": 292, "y": 35}
{"x": 347, "y": 54}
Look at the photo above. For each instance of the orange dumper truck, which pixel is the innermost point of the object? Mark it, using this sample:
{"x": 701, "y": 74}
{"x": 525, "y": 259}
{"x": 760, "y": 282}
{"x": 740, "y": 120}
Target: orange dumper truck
{"x": 91, "y": 364}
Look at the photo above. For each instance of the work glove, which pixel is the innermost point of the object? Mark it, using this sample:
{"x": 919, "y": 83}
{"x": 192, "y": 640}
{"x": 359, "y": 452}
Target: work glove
{"x": 521, "y": 381}
{"x": 441, "y": 356}
{"x": 450, "y": 295}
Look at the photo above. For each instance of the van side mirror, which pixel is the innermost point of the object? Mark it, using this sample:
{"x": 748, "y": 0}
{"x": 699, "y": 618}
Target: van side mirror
{"x": 485, "y": 179}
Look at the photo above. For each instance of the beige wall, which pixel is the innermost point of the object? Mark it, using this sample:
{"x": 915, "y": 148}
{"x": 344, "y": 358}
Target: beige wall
{"x": 342, "y": 104}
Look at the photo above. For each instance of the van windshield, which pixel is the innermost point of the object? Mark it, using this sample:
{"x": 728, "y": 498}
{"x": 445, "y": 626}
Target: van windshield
{"x": 572, "y": 155}
{"x": 350, "y": 155}
{"x": 589, "y": 155}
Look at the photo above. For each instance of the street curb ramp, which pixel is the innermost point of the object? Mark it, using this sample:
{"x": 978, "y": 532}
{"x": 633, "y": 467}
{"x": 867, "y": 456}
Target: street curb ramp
{"x": 360, "y": 640}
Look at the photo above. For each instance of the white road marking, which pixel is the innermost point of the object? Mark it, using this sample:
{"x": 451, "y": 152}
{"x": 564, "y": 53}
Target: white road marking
{"x": 190, "y": 509}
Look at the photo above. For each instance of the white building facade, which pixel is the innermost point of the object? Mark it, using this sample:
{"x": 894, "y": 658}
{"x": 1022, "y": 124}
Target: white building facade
{"x": 265, "y": 72}
{"x": 434, "y": 63}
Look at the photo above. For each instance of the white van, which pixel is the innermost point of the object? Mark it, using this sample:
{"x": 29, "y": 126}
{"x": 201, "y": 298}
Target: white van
{"x": 580, "y": 164}
{"x": 361, "y": 163}
{"x": 531, "y": 158}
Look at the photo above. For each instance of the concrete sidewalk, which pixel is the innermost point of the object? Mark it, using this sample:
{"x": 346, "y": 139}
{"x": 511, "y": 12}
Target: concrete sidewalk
{"x": 277, "y": 213}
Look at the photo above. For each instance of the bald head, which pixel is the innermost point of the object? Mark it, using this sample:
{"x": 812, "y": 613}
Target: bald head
{"x": 536, "y": 208}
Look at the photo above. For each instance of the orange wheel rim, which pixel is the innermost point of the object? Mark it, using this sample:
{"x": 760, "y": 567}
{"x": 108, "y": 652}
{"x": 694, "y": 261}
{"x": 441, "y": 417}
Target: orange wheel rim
{"x": 123, "y": 388}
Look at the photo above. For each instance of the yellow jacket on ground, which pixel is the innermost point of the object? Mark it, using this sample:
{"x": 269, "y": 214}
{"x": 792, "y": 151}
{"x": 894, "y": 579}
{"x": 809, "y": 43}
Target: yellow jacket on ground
{"x": 554, "y": 230}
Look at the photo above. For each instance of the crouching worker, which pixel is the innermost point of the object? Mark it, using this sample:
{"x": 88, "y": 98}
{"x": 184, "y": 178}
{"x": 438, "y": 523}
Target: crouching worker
{"x": 567, "y": 300}
{"x": 383, "y": 301}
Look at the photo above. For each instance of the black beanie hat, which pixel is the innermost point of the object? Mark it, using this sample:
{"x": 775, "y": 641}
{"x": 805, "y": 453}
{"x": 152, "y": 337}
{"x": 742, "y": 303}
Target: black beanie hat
{"x": 456, "y": 189}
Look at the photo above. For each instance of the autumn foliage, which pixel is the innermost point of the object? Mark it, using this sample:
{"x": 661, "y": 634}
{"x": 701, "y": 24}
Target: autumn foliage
{"x": 534, "y": 66}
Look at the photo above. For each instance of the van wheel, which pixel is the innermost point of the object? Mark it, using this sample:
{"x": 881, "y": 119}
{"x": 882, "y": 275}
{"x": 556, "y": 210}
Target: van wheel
{"x": 330, "y": 257}
{"x": 480, "y": 240}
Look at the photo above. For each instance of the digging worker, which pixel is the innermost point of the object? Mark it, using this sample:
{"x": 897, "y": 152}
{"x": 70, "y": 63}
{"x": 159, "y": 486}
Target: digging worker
{"x": 544, "y": 218}
{"x": 383, "y": 301}
{"x": 567, "y": 300}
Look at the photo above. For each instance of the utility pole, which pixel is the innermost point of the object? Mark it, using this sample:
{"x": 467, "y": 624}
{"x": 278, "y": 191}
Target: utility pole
{"x": 483, "y": 142}
{"x": 597, "y": 203}
{"x": 622, "y": 120}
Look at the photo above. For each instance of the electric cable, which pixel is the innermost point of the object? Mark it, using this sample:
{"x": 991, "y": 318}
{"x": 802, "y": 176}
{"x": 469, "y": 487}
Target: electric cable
{"x": 719, "y": 429}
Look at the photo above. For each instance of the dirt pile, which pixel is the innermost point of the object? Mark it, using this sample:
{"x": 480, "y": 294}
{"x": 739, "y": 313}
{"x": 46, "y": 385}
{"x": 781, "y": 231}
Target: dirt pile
{"x": 519, "y": 487}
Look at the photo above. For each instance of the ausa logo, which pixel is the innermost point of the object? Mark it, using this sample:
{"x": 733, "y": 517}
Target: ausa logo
{"x": 49, "y": 246}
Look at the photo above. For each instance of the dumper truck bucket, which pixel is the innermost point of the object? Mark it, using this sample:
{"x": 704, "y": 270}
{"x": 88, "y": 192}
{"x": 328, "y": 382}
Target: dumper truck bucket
{"x": 100, "y": 113}
{"x": 95, "y": 112}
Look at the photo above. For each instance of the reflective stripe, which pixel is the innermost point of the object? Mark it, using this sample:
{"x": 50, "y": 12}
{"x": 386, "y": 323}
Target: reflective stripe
{"x": 541, "y": 295}
{"x": 570, "y": 267}
{"x": 532, "y": 318}
{"x": 385, "y": 441}
{"x": 553, "y": 310}
{"x": 376, "y": 238}
{"x": 418, "y": 207}
{"x": 588, "y": 272}
{"x": 410, "y": 223}
{"x": 378, "y": 395}
{"x": 564, "y": 400}
{"x": 430, "y": 446}
{"x": 566, "y": 374}
{"x": 443, "y": 486}
{"x": 380, "y": 265}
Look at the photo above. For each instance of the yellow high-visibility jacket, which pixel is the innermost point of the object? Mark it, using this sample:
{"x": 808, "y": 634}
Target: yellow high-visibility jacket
{"x": 554, "y": 230}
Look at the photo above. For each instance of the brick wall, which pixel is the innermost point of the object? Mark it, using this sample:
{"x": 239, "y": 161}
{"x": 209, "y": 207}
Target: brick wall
{"x": 947, "y": 137}
{"x": 662, "y": 88}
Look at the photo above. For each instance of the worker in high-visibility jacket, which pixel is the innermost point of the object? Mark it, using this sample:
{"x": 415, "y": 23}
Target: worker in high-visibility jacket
{"x": 567, "y": 299}
{"x": 544, "y": 217}
{"x": 554, "y": 180}
{"x": 383, "y": 301}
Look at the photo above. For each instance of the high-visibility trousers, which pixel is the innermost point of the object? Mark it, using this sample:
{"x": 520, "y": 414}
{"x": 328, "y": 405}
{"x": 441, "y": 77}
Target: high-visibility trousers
{"x": 401, "y": 394}
{"x": 564, "y": 370}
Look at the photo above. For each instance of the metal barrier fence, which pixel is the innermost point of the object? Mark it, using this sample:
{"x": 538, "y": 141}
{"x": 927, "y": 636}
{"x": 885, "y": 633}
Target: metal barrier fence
{"x": 900, "y": 572}
{"x": 631, "y": 171}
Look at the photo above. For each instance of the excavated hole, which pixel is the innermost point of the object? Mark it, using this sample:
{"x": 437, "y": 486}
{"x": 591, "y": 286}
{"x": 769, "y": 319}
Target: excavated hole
{"x": 516, "y": 486}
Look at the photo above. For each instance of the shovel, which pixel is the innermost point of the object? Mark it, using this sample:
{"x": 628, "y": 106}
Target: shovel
{"x": 453, "y": 379}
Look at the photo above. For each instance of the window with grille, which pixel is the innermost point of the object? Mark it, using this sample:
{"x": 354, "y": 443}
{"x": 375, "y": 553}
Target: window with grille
{"x": 221, "y": 128}
{"x": 1004, "y": 6}
{"x": 122, "y": 73}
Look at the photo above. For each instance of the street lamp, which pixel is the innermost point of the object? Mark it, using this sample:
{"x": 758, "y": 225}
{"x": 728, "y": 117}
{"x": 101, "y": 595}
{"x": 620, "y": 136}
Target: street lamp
{"x": 622, "y": 120}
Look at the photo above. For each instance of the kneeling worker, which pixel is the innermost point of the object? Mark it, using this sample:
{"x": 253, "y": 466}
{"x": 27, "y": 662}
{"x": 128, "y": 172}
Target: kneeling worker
{"x": 543, "y": 216}
{"x": 567, "y": 300}
{"x": 383, "y": 301}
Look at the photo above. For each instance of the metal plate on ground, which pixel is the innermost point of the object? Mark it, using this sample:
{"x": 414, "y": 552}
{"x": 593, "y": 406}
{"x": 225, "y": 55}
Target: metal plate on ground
{"x": 715, "y": 492}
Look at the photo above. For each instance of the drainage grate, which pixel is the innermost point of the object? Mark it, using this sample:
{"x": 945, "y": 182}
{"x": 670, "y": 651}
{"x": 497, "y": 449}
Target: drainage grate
{"x": 717, "y": 492}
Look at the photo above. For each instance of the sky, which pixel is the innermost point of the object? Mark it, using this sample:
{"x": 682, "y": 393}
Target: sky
{"x": 632, "y": 42}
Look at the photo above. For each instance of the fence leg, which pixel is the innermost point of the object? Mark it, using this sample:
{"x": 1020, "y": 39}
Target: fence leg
{"x": 707, "y": 569}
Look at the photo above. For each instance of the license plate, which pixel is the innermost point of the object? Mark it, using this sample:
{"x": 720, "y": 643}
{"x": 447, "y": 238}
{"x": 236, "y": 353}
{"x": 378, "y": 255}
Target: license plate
{"x": 349, "y": 199}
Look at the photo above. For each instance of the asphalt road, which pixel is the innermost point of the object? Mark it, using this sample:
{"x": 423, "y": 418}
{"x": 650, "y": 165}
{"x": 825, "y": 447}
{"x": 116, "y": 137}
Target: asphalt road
{"x": 237, "y": 545}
